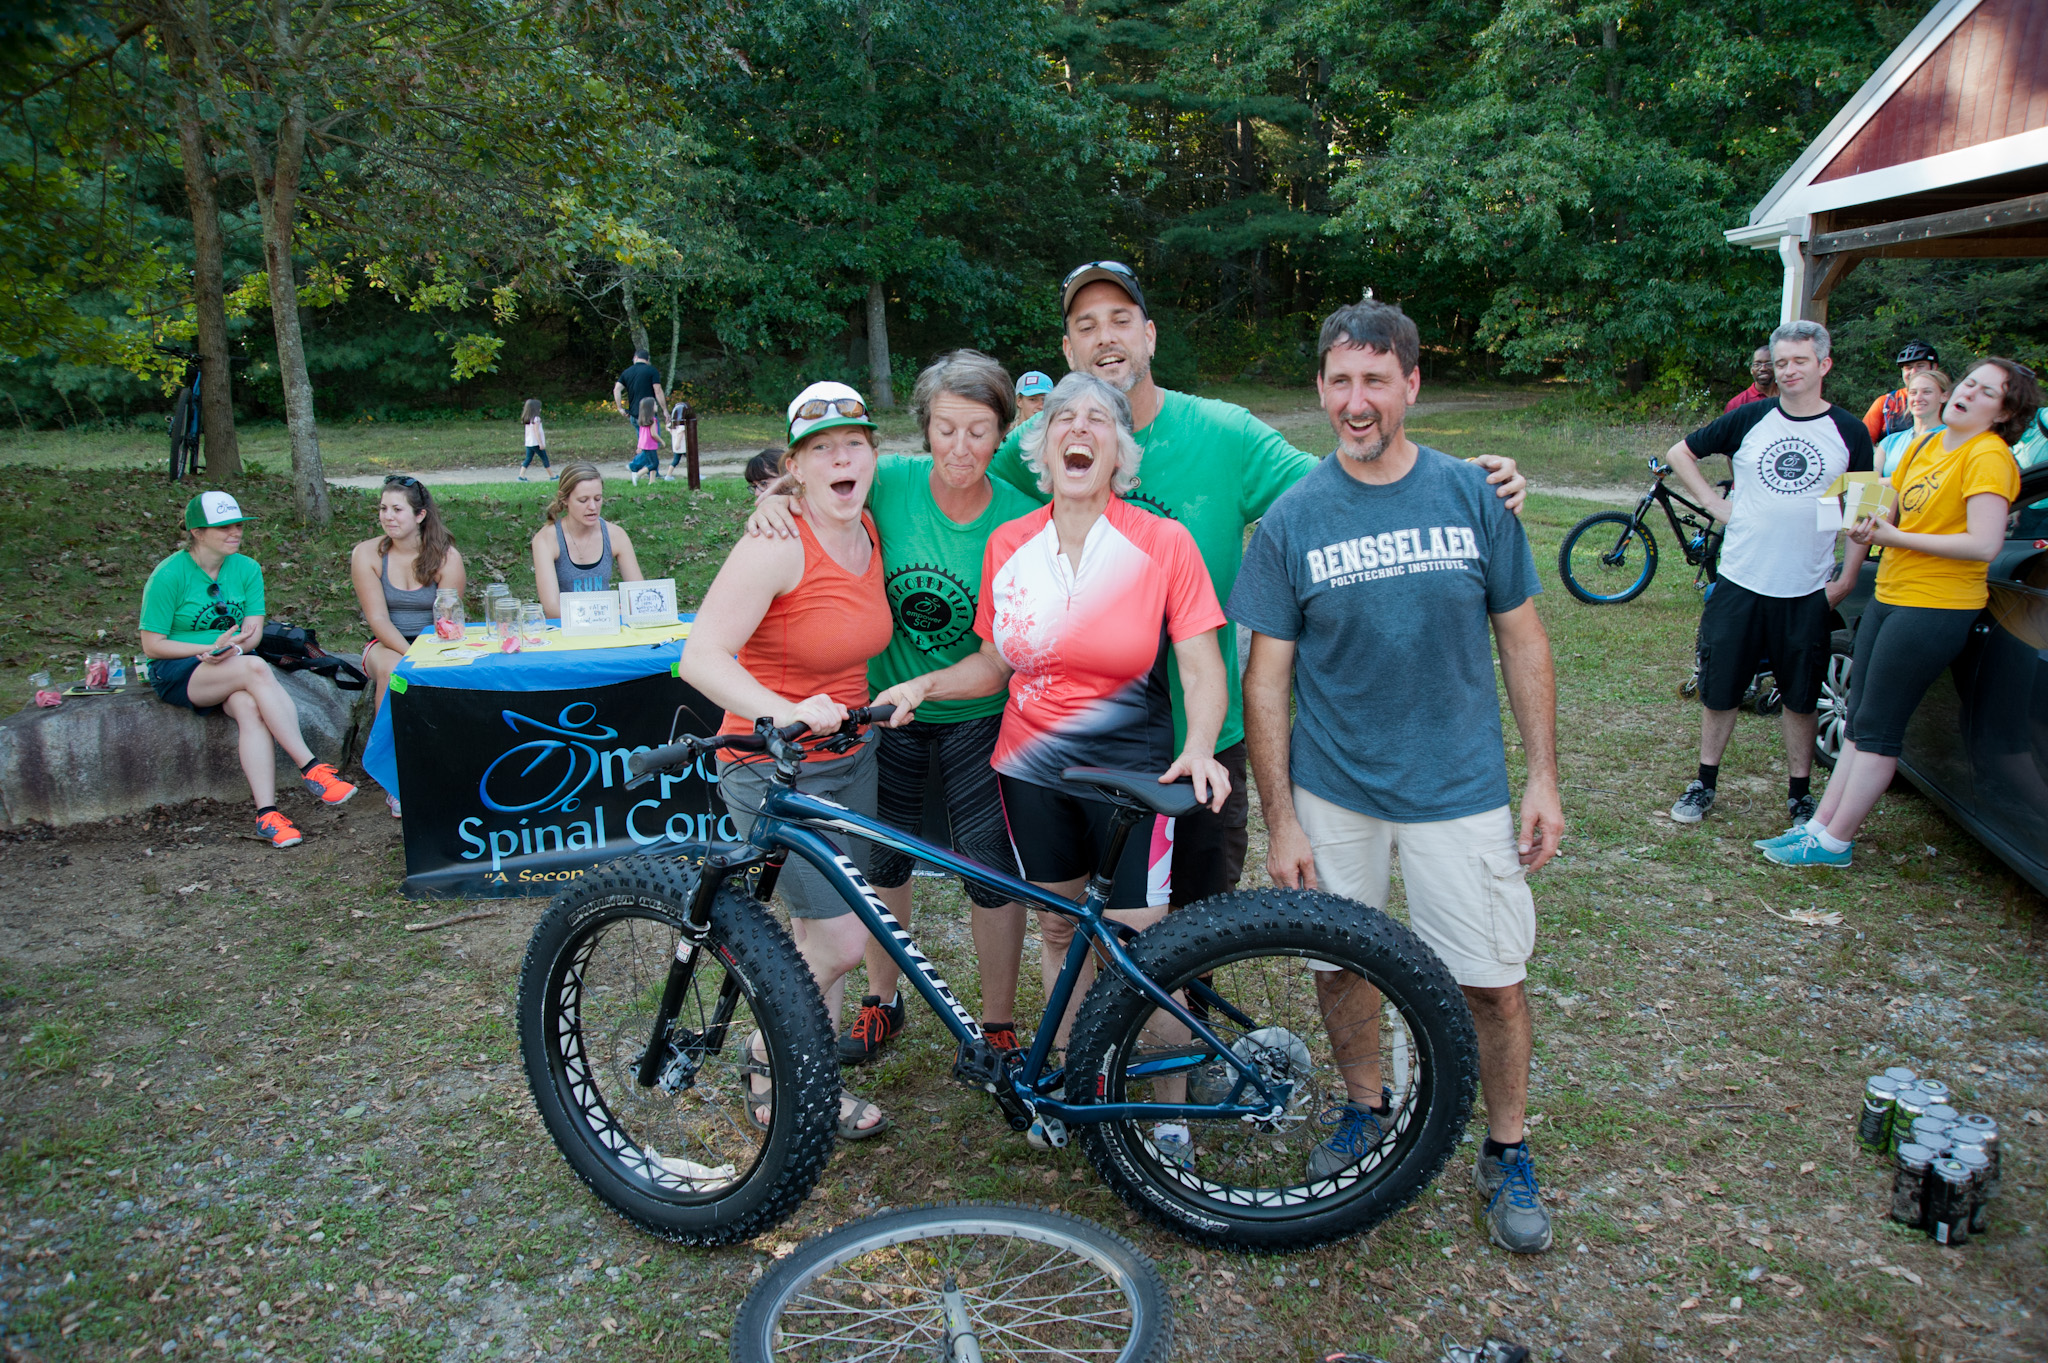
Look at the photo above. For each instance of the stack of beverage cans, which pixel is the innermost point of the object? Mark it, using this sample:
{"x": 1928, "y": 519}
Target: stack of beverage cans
{"x": 1944, "y": 1162}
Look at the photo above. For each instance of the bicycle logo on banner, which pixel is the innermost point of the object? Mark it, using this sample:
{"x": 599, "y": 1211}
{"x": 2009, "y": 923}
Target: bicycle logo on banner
{"x": 556, "y": 769}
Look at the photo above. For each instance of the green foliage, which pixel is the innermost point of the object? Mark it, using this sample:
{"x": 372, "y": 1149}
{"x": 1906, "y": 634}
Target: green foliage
{"x": 1965, "y": 309}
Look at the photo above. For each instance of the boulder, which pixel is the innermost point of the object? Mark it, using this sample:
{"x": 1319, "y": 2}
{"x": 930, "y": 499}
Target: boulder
{"x": 94, "y": 757}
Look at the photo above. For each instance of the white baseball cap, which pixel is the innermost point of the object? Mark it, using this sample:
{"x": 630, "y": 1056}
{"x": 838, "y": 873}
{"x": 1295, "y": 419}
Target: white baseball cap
{"x": 211, "y": 510}
{"x": 822, "y": 406}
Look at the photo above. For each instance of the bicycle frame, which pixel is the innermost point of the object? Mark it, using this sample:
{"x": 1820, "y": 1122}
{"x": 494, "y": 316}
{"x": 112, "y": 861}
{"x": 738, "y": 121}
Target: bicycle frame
{"x": 1660, "y": 494}
{"x": 786, "y": 825}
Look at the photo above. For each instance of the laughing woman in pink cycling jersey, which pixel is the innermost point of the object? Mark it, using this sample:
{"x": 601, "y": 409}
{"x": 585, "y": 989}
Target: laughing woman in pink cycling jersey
{"x": 1082, "y": 602}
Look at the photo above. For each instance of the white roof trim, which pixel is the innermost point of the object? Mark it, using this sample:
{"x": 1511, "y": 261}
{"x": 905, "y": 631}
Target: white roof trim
{"x": 1906, "y": 58}
{"x": 1795, "y": 210}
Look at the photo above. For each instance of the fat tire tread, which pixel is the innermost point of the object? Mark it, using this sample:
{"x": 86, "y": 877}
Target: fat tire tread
{"x": 809, "y": 1087}
{"x": 1335, "y": 928}
{"x": 751, "y": 1326}
{"x": 1618, "y": 519}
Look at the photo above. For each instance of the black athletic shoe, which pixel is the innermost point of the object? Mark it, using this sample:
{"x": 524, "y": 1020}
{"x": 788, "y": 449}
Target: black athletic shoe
{"x": 1801, "y": 809}
{"x": 872, "y": 1028}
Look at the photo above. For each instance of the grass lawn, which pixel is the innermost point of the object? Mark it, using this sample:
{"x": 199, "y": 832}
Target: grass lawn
{"x": 243, "y": 1113}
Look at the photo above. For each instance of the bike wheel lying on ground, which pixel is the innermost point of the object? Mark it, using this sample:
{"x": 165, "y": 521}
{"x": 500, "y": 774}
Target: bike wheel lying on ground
{"x": 680, "y": 1158}
{"x": 1245, "y": 955}
{"x": 1607, "y": 558}
{"x": 903, "y": 1285}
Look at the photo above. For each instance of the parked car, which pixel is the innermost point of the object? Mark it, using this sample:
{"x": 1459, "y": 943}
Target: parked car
{"x": 1978, "y": 744}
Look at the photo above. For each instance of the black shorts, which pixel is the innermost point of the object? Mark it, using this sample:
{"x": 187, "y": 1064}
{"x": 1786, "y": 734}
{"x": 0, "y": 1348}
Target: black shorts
{"x": 1209, "y": 848}
{"x": 974, "y": 806}
{"x": 168, "y": 677}
{"x": 1740, "y": 629}
{"x": 1060, "y": 837}
{"x": 1900, "y": 652}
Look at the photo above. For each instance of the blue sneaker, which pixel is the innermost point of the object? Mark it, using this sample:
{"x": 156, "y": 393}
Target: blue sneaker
{"x": 1358, "y": 1132}
{"x": 1790, "y": 835}
{"x": 1515, "y": 1218}
{"x": 1805, "y": 850}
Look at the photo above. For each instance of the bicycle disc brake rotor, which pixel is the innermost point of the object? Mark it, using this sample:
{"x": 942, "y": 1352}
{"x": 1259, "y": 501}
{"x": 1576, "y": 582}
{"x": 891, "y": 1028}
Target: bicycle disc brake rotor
{"x": 1279, "y": 1057}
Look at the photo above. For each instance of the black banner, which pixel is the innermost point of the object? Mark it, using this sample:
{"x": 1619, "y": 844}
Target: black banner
{"x": 517, "y": 792}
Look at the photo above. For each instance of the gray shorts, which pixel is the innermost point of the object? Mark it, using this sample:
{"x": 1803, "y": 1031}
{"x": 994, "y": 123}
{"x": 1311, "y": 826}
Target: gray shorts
{"x": 848, "y": 780}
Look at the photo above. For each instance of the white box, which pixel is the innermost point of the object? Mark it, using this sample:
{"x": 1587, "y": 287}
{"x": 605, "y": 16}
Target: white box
{"x": 648, "y": 603}
{"x": 590, "y": 613}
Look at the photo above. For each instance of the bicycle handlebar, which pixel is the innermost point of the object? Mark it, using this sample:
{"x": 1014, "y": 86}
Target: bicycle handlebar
{"x": 680, "y": 754}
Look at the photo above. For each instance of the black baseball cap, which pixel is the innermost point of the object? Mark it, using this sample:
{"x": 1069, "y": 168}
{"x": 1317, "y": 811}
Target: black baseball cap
{"x": 1115, "y": 271}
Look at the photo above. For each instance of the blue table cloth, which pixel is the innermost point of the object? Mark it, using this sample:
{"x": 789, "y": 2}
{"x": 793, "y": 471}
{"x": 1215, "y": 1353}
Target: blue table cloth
{"x": 551, "y": 671}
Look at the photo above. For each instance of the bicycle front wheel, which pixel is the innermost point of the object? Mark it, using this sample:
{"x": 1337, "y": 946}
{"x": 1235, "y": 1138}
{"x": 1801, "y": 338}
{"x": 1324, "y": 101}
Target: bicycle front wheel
{"x": 1310, "y": 989}
{"x": 681, "y": 1157}
{"x": 907, "y": 1285}
{"x": 1607, "y": 558}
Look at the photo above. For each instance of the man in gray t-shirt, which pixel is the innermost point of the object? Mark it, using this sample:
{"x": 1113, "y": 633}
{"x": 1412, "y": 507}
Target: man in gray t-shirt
{"x": 1378, "y": 584}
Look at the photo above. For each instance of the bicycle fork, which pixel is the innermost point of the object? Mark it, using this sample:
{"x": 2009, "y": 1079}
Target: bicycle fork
{"x": 662, "y": 1052}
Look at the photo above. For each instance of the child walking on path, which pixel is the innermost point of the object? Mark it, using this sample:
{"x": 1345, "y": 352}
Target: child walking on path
{"x": 678, "y": 434}
{"x": 647, "y": 459}
{"x": 536, "y": 437}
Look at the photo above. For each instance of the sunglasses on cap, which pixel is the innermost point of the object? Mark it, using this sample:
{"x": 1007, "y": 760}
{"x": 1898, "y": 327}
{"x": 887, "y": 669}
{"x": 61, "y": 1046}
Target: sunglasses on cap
{"x": 1115, "y": 267}
{"x": 820, "y": 407}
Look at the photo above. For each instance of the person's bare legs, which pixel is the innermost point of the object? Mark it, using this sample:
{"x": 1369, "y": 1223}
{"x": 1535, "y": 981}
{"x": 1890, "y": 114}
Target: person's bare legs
{"x": 1838, "y": 782}
{"x": 1351, "y": 1015}
{"x": 999, "y": 956}
{"x": 213, "y": 683}
{"x": 832, "y": 947}
{"x": 1716, "y": 728}
{"x": 1855, "y": 790}
{"x": 1055, "y": 936}
{"x": 253, "y": 745}
{"x": 1506, "y": 1042}
{"x": 1799, "y": 731}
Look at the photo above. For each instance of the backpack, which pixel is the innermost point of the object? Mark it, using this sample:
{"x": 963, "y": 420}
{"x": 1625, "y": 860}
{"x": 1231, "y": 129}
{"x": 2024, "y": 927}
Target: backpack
{"x": 294, "y": 648}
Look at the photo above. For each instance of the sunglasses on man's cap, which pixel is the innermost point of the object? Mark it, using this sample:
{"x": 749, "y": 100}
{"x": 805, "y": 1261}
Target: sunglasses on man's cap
{"x": 1114, "y": 271}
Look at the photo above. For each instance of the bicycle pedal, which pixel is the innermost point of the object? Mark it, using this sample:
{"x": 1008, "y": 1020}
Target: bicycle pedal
{"x": 978, "y": 1063}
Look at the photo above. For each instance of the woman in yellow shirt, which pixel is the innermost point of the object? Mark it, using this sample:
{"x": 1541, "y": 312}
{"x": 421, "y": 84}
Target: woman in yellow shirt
{"x": 1955, "y": 490}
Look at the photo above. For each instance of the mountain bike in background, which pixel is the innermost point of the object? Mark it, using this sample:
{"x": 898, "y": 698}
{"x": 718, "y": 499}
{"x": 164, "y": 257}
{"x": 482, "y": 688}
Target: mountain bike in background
{"x": 184, "y": 419}
{"x": 1610, "y": 557}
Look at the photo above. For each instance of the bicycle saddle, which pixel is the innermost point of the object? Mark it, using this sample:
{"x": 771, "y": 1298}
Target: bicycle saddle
{"x": 1137, "y": 787}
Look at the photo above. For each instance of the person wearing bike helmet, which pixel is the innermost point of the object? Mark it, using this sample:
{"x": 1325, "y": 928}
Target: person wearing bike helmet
{"x": 1890, "y": 412}
{"x": 935, "y": 513}
{"x": 1926, "y": 394}
{"x": 202, "y": 615}
{"x": 787, "y": 630}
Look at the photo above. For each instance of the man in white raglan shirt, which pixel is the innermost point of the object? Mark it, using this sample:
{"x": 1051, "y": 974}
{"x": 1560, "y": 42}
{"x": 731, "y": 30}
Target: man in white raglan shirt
{"x": 1777, "y": 584}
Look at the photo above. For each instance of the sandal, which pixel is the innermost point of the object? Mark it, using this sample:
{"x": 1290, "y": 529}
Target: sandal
{"x": 849, "y": 1125}
{"x": 757, "y": 1101}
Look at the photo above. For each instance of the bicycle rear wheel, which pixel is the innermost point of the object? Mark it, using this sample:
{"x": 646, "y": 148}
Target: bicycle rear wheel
{"x": 1607, "y": 558}
{"x": 679, "y": 1158}
{"x": 1244, "y": 959}
{"x": 1026, "y": 1283}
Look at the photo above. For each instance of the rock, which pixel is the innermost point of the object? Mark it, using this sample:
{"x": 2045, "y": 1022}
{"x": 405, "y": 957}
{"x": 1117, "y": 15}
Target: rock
{"x": 95, "y": 757}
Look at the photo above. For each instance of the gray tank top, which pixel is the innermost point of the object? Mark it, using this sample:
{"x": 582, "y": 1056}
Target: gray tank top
{"x": 583, "y": 577}
{"x": 411, "y": 610}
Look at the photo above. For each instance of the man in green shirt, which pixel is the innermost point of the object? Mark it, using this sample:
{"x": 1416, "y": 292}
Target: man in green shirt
{"x": 1215, "y": 468}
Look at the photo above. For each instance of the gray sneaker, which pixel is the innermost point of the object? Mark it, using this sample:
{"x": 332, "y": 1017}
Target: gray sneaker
{"x": 1356, "y": 1132}
{"x": 1801, "y": 809}
{"x": 1515, "y": 1218}
{"x": 1695, "y": 804}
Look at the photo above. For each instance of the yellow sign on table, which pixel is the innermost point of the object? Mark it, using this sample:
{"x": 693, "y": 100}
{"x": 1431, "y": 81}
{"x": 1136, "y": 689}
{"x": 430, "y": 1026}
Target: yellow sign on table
{"x": 429, "y": 650}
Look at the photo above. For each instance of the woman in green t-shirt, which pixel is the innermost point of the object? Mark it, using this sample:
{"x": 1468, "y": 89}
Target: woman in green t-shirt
{"x": 202, "y": 615}
{"x": 934, "y": 513}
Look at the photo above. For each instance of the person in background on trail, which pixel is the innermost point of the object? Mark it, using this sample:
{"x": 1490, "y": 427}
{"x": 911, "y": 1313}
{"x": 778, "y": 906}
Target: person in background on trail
{"x": 1763, "y": 383}
{"x": 935, "y": 513}
{"x": 636, "y": 383}
{"x": 1926, "y": 395}
{"x": 1955, "y": 490}
{"x": 763, "y": 469}
{"x": 202, "y": 615}
{"x": 578, "y": 550}
{"x": 1082, "y": 603}
{"x": 536, "y": 437}
{"x": 1032, "y": 391}
{"x": 647, "y": 458}
{"x": 806, "y": 613}
{"x": 1889, "y": 413}
{"x": 1337, "y": 616}
{"x": 396, "y": 575}
{"x": 679, "y": 414}
{"x": 1213, "y": 467}
{"x": 1778, "y": 586}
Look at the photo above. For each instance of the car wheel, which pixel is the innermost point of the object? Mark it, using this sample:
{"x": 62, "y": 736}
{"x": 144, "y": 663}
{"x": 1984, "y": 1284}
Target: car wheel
{"x": 1832, "y": 726}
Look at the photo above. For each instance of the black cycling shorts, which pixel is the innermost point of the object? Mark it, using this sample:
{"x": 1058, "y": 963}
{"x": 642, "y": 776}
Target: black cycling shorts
{"x": 974, "y": 806}
{"x": 1209, "y": 848}
{"x": 1740, "y": 629}
{"x": 1061, "y": 837}
{"x": 1901, "y": 651}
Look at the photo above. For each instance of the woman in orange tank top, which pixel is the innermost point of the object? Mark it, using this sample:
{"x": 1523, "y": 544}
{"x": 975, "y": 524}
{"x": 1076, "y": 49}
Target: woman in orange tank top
{"x": 786, "y": 631}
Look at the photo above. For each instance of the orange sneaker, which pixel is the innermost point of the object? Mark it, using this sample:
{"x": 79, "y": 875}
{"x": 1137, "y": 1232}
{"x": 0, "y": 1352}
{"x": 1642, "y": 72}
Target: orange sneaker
{"x": 1000, "y": 1035}
{"x": 279, "y": 830}
{"x": 322, "y": 780}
